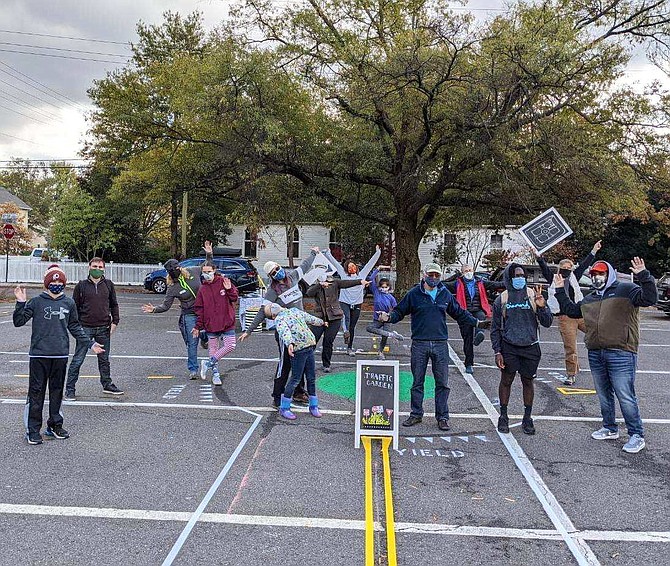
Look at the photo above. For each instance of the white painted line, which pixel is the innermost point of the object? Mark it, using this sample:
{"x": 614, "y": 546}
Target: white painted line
{"x": 579, "y": 548}
{"x": 97, "y": 512}
{"x": 210, "y": 493}
{"x": 562, "y": 369}
{"x": 5, "y": 322}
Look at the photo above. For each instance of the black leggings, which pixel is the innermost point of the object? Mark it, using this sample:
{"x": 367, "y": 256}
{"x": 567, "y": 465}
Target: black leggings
{"x": 351, "y": 315}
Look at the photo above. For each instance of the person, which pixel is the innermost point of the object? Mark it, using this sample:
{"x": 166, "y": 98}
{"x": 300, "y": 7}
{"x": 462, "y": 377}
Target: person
{"x": 428, "y": 303}
{"x": 215, "y": 312}
{"x": 183, "y": 285}
{"x": 284, "y": 291}
{"x": 568, "y": 326}
{"x": 351, "y": 299}
{"x": 471, "y": 294}
{"x": 98, "y": 311}
{"x": 515, "y": 339}
{"x": 612, "y": 319}
{"x": 53, "y": 315}
{"x": 299, "y": 341}
{"x": 326, "y": 293}
{"x": 382, "y": 301}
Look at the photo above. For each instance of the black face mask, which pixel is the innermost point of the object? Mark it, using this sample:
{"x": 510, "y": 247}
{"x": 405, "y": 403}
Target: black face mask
{"x": 174, "y": 274}
{"x": 565, "y": 272}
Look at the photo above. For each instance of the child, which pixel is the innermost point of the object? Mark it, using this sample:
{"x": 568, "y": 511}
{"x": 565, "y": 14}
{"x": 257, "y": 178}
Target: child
{"x": 53, "y": 315}
{"x": 383, "y": 301}
{"x": 214, "y": 307}
{"x": 298, "y": 338}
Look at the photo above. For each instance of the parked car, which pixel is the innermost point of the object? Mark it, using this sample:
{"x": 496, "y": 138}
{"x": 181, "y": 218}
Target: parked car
{"x": 239, "y": 270}
{"x": 663, "y": 286}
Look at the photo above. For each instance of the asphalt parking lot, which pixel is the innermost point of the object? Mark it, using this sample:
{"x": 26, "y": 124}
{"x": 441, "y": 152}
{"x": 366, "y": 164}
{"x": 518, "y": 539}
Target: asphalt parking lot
{"x": 179, "y": 471}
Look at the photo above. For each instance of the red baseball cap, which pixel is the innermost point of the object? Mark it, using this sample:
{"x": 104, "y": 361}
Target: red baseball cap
{"x": 599, "y": 267}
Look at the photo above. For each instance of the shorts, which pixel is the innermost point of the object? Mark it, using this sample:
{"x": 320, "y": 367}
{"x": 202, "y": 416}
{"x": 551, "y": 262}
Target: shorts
{"x": 522, "y": 359}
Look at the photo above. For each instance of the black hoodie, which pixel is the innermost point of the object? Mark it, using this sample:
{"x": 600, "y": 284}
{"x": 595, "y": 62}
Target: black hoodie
{"x": 520, "y": 324}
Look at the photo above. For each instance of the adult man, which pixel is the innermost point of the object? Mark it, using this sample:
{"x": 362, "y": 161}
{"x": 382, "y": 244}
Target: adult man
{"x": 429, "y": 302}
{"x": 566, "y": 325}
{"x": 470, "y": 292}
{"x": 98, "y": 310}
{"x": 515, "y": 339}
{"x": 612, "y": 320}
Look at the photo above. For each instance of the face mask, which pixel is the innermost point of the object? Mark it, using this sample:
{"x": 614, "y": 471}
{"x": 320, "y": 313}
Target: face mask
{"x": 96, "y": 273}
{"x": 351, "y": 269}
{"x": 599, "y": 281}
{"x": 518, "y": 283}
{"x": 384, "y": 289}
{"x": 280, "y": 275}
{"x": 175, "y": 274}
{"x": 56, "y": 288}
{"x": 432, "y": 281}
{"x": 469, "y": 275}
{"x": 207, "y": 276}
{"x": 565, "y": 273}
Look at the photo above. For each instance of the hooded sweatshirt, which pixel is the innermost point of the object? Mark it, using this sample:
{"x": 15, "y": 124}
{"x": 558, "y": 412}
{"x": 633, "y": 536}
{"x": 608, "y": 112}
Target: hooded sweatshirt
{"x": 612, "y": 315}
{"x": 215, "y": 306}
{"x": 519, "y": 326}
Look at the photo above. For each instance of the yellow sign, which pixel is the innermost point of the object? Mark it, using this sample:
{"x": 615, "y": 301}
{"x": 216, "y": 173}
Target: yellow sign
{"x": 573, "y": 391}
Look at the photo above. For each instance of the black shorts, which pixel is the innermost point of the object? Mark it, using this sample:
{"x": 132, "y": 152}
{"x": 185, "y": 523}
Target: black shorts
{"x": 522, "y": 359}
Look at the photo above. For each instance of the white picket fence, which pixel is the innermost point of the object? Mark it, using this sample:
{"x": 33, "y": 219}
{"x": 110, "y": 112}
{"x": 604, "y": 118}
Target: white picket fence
{"x": 33, "y": 272}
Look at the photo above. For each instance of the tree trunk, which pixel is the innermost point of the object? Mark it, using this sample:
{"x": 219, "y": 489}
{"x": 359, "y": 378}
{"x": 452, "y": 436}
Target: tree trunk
{"x": 174, "y": 222}
{"x": 408, "y": 266}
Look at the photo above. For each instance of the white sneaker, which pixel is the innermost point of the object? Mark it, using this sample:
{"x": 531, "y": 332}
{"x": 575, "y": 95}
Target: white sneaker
{"x": 204, "y": 368}
{"x": 397, "y": 336}
{"x": 605, "y": 434}
{"x": 351, "y": 353}
{"x": 634, "y": 445}
{"x": 381, "y": 356}
{"x": 216, "y": 379}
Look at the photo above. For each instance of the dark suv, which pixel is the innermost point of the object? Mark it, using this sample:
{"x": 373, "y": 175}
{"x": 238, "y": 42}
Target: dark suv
{"x": 239, "y": 270}
{"x": 663, "y": 286}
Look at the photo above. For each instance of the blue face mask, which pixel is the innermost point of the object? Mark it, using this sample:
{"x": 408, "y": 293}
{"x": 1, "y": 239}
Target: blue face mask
{"x": 518, "y": 283}
{"x": 56, "y": 288}
{"x": 280, "y": 275}
{"x": 432, "y": 281}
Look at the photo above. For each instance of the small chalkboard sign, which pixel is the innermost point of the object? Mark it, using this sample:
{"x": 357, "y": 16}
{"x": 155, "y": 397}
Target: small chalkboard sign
{"x": 377, "y": 399}
{"x": 546, "y": 230}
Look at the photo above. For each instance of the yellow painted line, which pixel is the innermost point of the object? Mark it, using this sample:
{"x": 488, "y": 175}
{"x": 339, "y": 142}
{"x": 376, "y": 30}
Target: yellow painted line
{"x": 160, "y": 376}
{"x": 388, "y": 504}
{"x": 369, "y": 512}
{"x": 573, "y": 391}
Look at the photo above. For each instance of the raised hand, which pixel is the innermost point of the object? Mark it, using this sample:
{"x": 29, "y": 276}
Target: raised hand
{"x": 535, "y": 252}
{"x": 148, "y": 308}
{"x": 315, "y": 249}
{"x": 540, "y": 301}
{"x": 637, "y": 265}
{"x": 365, "y": 282}
{"x": 227, "y": 283}
{"x": 596, "y": 247}
{"x": 207, "y": 246}
{"x": 20, "y": 294}
{"x": 559, "y": 281}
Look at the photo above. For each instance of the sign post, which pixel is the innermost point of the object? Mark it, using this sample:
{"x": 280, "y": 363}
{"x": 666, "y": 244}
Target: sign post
{"x": 377, "y": 399}
{"x": 8, "y": 232}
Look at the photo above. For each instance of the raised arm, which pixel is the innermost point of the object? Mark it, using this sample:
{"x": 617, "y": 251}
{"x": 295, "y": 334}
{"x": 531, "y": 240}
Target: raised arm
{"x": 645, "y": 294}
{"x": 371, "y": 263}
{"x": 336, "y": 264}
{"x": 308, "y": 261}
{"x": 23, "y": 311}
{"x": 573, "y": 310}
{"x": 547, "y": 273}
{"x": 587, "y": 261}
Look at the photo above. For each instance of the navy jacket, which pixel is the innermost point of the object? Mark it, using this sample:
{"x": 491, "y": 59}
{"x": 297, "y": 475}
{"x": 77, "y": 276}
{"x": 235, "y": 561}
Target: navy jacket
{"x": 429, "y": 320}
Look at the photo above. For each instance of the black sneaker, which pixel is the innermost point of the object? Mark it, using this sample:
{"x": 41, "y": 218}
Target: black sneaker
{"x": 300, "y": 398}
{"x": 34, "y": 438}
{"x": 527, "y": 426}
{"x": 570, "y": 380}
{"x": 443, "y": 424}
{"x": 57, "y": 431}
{"x": 112, "y": 389}
{"x": 411, "y": 421}
{"x": 503, "y": 423}
{"x": 276, "y": 403}
{"x": 204, "y": 344}
{"x": 69, "y": 396}
{"x": 479, "y": 338}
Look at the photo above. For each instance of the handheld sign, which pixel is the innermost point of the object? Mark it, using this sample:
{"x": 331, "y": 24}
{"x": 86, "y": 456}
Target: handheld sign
{"x": 546, "y": 230}
{"x": 377, "y": 399}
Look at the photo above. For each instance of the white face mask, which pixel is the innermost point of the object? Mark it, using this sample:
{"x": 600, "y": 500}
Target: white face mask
{"x": 385, "y": 289}
{"x": 599, "y": 281}
{"x": 208, "y": 275}
{"x": 469, "y": 275}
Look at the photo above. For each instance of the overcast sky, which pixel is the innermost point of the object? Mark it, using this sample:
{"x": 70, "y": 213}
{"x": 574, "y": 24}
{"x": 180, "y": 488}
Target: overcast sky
{"x": 43, "y": 99}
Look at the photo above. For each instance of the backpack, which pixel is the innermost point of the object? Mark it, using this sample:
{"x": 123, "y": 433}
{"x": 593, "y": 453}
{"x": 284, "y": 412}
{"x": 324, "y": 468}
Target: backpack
{"x": 504, "y": 296}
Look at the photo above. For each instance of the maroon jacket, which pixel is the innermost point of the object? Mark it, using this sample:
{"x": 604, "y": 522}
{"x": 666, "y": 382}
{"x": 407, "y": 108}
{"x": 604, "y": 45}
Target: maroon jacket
{"x": 215, "y": 307}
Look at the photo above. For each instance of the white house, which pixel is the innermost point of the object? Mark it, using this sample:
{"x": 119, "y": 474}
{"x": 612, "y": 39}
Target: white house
{"x": 270, "y": 243}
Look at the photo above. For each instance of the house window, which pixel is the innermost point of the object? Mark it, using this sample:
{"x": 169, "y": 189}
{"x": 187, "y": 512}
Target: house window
{"x": 335, "y": 244}
{"x": 293, "y": 244}
{"x": 250, "y": 242}
{"x": 496, "y": 242}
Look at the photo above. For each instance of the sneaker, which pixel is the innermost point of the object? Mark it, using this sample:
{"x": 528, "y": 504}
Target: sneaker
{"x": 397, "y": 336}
{"x": 527, "y": 426}
{"x": 412, "y": 420}
{"x": 479, "y": 338}
{"x": 443, "y": 424}
{"x": 204, "y": 368}
{"x": 570, "y": 380}
{"x": 326, "y": 369}
{"x": 216, "y": 379}
{"x": 346, "y": 336}
{"x": 69, "y": 397}
{"x": 469, "y": 369}
{"x": 634, "y": 445}
{"x": 276, "y": 403}
{"x": 34, "y": 438}
{"x": 503, "y": 424}
{"x": 112, "y": 389}
{"x": 193, "y": 375}
{"x": 204, "y": 344}
{"x": 605, "y": 434}
{"x": 56, "y": 431}
{"x": 381, "y": 356}
{"x": 351, "y": 353}
{"x": 301, "y": 398}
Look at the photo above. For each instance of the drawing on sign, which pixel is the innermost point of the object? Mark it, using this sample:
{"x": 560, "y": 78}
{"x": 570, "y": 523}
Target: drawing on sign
{"x": 377, "y": 398}
{"x": 546, "y": 230}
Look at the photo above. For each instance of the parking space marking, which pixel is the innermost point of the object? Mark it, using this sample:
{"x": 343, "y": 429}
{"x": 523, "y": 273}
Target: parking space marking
{"x": 564, "y": 525}
{"x": 206, "y": 394}
{"x": 651, "y": 371}
{"x": 174, "y": 391}
{"x": 160, "y": 376}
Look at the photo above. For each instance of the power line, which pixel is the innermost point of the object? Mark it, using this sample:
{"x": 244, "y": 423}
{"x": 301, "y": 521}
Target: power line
{"x": 17, "y": 138}
{"x": 24, "y": 115}
{"x": 62, "y": 49}
{"x": 42, "y": 160}
{"x": 16, "y": 100}
{"x": 59, "y": 56}
{"x": 64, "y": 37}
{"x": 27, "y": 93}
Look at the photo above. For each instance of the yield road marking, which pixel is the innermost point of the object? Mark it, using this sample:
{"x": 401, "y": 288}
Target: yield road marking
{"x": 574, "y": 391}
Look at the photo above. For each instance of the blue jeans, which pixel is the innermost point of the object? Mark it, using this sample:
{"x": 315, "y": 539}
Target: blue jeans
{"x": 613, "y": 373}
{"x": 186, "y": 325}
{"x": 101, "y": 334}
{"x": 438, "y": 354}
{"x": 302, "y": 362}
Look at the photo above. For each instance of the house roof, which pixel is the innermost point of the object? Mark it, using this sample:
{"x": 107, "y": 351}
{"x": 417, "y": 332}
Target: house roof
{"x": 6, "y": 196}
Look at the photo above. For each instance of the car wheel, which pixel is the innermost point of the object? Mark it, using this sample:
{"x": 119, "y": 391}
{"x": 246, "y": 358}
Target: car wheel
{"x": 159, "y": 285}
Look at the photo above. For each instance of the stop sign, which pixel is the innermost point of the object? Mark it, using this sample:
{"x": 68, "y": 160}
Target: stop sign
{"x": 8, "y": 231}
